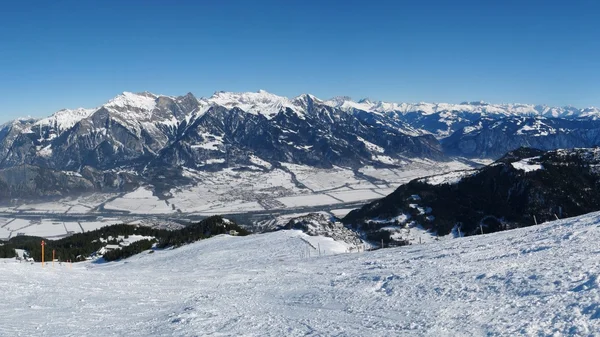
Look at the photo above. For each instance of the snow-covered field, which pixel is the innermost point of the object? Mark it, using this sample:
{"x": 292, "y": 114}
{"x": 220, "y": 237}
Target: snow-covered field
{"x": 55, "y": 228}
{"x": 308, "y": 200}
{"x": 417, "y": 169}
{"x": 357, "y": 195}
{"x": 325, "y": 179}
{"x": 235, "y": 191}
{"x": 230, "y": 191}
{"x": 537, "y": 281}
{"x": 140, "y": 201}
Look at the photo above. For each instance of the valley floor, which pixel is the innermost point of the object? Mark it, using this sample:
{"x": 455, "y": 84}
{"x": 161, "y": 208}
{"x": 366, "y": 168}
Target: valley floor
{"x": 539, "y": 281}
{"x": 219, "y": 193}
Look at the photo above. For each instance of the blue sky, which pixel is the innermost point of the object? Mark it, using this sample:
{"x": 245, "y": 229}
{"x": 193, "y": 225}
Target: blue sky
{"x": 70, "y": 53}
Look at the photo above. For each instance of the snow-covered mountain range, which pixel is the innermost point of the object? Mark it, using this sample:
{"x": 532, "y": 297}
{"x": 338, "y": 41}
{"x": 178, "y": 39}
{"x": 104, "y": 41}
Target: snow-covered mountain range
{"x": 492, "y": 138}
{"x": 150, "y": 136}
{"x": 346, "y": 103}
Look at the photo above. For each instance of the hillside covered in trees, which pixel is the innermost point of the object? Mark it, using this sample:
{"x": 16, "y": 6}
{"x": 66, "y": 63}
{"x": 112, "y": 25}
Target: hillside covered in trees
{"x": 524, "y": 187}
{"x": 80, "y": 246}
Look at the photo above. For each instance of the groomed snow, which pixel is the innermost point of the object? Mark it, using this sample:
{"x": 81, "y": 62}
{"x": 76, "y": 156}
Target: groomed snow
{"x": 537, "y": 281}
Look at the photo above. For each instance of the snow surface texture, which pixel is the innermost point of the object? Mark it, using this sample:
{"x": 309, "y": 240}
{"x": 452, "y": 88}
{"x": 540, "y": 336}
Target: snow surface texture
{"x": 65, "y": 118}
{"x": 54, "y": 227}
{"x": 142, "y": 201}
{"x": 527, "y": 165}
{"x": 51, "y": 228}
{"x": 537, "y": 281}
{"x": 260, "y": 102}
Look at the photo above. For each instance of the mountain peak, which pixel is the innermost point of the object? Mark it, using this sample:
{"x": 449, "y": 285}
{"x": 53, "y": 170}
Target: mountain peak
{"x": 307, "y": 96}
{"x": 145, "y": 101}
{"x": 148, "y": 94}
{"x": 261, "y": 102}
{"x": 65, "y": 118}
{"x": 19, "y": 121}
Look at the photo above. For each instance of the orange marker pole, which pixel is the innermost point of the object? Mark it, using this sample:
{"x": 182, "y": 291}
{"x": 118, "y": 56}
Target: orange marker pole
{"x": 53, "y": 258}
{"x": 43, "y": 244}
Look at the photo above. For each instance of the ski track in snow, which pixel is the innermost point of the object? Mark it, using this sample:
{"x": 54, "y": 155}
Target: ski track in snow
{"x": 537, "y": 281}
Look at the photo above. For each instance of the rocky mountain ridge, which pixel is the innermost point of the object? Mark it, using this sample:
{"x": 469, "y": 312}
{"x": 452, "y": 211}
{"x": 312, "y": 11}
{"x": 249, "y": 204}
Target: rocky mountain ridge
{"x": 492, "y": 138}
{"x": 147, "y": 137}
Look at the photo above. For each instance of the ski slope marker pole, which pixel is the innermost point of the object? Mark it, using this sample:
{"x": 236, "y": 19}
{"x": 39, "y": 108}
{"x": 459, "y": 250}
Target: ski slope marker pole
{"x": 43, "y": 244}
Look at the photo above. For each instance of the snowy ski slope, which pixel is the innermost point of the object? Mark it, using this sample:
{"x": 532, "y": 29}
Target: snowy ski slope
{"x": 538, "y": 281}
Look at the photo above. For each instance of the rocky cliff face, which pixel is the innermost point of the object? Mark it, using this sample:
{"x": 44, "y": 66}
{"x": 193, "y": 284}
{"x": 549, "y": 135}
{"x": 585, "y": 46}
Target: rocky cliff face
{"x": 150, "y": 136}
{"x": 321, "y": 137}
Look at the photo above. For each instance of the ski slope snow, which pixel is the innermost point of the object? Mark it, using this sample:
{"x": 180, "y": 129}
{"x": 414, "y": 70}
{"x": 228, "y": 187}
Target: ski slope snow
{"x": 537, "y": 281}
